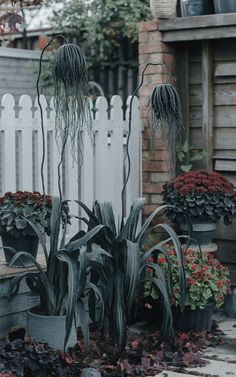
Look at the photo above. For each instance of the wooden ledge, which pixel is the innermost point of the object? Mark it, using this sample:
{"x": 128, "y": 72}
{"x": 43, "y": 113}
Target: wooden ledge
{"x": 9, "y": 272}
{"x": 213, "y": 26}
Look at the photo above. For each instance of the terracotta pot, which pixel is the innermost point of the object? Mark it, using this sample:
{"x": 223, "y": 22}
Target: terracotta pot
{"x": 23, "y": 243}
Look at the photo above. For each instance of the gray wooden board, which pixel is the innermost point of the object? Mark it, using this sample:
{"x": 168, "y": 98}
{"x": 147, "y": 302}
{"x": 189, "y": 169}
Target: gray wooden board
{"x": 199, "y": 34}
{"x": 211, "y": 20}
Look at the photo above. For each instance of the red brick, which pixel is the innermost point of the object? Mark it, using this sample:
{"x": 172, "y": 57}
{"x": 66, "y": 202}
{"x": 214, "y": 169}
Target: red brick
{"x": 150, "y": 58}
{"x": 146, "y": 177}
{"x": 148, "y": 209}
{"x": 155, "y": 166}
{"x": 144, "y": 144}
{"x": 156, "y": 199}
{"x": 154, "y": 155}
{"x": 152, "y": 188}
{"x": 148, "y": 26}
{"x": 143, "y": 37}
{"x": 155, "y": 37}
{"x": 160, "y": 177}
{"x": 151, "y": 69}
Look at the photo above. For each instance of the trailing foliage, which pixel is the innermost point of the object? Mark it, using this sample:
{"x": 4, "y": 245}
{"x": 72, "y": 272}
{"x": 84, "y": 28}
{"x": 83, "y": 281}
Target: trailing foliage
{"x": 71, "y": 97}
{"x": 165, "y": 109}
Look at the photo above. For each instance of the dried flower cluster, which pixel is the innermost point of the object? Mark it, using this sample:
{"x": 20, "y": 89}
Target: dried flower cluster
{"x": 203, "y": 196}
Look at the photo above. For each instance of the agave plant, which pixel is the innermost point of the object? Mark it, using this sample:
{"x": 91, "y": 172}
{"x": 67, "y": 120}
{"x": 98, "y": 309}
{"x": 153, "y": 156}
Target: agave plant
{"x": 62, "y": 288}
{"x": 121, "y": 277}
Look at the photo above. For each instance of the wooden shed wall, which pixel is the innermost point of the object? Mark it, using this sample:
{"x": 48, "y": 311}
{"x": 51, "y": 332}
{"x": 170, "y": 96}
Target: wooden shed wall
{"x": 222, "y": 86}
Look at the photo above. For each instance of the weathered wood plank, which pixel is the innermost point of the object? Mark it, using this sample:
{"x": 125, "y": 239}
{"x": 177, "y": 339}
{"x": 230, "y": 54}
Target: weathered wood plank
{"x": 226, "y": 251}
{"x": 225, "y": 165}
{"x": 224, "y": 116}
{"x": 183, "y": 86}
{"x": 226, "y": 232}
{"x": 211, "y": 20}
{"x": 207, "y": 103}
{"x": 225, "y": 138}
{"x": 199, "y": 34}
{"x": 225, "y": 69}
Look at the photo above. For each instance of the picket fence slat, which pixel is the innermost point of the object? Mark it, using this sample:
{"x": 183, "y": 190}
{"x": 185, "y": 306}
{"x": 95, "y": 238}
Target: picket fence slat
{"x": 99, "y": 173}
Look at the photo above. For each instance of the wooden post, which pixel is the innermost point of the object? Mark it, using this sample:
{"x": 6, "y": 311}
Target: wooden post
{"x": 207, "y": 102}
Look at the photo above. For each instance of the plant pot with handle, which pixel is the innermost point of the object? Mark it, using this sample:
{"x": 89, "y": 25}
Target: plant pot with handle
{"x": 195, "y": 7}
{"x": 163, "y": 8}
{"x": 225, "y": 6}
{"x": 49, "y": 329}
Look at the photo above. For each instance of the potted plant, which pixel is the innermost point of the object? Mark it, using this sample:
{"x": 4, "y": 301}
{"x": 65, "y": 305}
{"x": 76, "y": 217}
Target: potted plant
{"x": 61, "y": 287}
{"x": 207, "y": 284}
{"x": 16, "y": 210}
{"x": 163, "y": 9}
{"x": 202, "y": 198}
{"x": 196, "y": 7}
{"x": 224, "y": 6}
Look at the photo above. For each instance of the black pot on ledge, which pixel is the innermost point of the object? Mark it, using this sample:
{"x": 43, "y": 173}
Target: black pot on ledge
{"x": 225, "y": 6}
{"x": 191, "y": 8}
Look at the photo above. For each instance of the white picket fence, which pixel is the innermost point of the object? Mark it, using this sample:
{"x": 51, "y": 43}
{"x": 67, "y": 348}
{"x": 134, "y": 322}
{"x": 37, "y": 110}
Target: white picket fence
{"x": 101, "y": 175}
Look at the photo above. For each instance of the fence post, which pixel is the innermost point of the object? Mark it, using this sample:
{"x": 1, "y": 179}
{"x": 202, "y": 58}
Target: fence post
{"x": 8, "y": 124}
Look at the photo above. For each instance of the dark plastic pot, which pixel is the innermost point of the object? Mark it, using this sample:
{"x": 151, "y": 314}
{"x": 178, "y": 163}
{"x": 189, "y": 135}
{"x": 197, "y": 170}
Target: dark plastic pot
{"x": 225, "y": 6}
{"x": 199, "y": 319}
{"x": 49, "y": 329}
{"x": 23, "y": 243}
{"x": 230, "y": 303}
{"x": 195, "y": 7}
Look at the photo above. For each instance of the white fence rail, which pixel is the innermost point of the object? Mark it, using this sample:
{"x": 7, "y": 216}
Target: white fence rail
{"x": 101, "y": 175}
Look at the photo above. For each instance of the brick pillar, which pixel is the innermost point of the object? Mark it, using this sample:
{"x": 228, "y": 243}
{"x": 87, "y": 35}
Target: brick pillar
{"x": 155, "y": 161}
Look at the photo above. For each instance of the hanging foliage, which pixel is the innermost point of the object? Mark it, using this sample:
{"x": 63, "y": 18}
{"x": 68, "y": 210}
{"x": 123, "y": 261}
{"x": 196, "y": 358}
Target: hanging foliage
{"x": 71, "y": 96}
{"x": 165, "y": 110}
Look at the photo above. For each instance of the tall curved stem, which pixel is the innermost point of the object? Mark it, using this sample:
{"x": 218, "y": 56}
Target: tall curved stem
{"x": 40, "y": 107}
{"x": 127, "y": 155}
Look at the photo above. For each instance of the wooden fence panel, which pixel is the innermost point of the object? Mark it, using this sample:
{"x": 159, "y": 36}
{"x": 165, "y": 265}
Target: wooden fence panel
{"x": 99, "y": 175}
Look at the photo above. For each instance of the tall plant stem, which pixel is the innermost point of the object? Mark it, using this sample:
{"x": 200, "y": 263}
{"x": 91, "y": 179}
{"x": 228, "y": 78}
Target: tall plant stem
{"x": 24, "y": 25}
{"x": 40, "y": 107}
{"x": 127, "y": 155}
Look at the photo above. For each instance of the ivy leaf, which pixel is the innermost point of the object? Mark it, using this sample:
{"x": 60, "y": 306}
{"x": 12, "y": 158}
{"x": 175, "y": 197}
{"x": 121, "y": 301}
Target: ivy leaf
{"x": 20, "y": 223}
{"x": 186, "y": 168}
